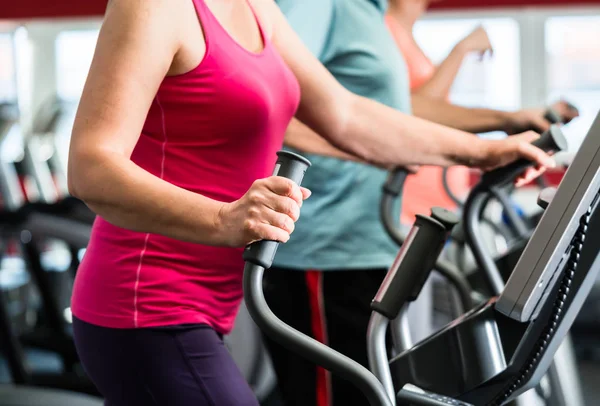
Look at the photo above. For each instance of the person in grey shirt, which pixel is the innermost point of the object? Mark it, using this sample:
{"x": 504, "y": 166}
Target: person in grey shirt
{"x": 325, "y": 276}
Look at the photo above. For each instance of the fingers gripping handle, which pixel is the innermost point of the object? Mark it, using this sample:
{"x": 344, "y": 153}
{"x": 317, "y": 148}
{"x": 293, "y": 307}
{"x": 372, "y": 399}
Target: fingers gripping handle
{"x": 291, "y": 166}
{"x": 552, "y": 140}
{"x": 414, "y": 262}
{"x": 554, "y": 117}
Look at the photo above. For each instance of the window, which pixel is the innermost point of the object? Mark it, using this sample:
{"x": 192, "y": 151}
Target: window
{"x": 74, "y": 53}
{"x": 8, "y": 88}
{"x": 573, "y": 60}
{"x": 494, "y": 82}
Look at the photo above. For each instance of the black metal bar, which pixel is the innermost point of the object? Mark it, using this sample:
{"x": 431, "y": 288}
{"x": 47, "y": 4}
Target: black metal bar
{"x": 515, "y": 220}
{"x": 446, "y": 185}
{"x": 444, "y": 268}
{"x": 10, "y": 345}
{"x": 52, "y": 311}
{"x": 485, "y": 262}
{"x": 305, "y": 346}
{"x": 386, "y": 211}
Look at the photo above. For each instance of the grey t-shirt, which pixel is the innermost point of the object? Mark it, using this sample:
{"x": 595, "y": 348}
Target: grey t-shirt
{"x": 339, "y": 225}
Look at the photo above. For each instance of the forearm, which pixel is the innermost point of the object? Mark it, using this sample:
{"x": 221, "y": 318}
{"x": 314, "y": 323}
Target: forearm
{"x": 473, "y": 120}
{"x": 129, "y": 197}
{"x": 369, "y": 130}
{"x": 387, "y": 137}
{"x": 302, "y": 138}
{"x": 441, "y": 82}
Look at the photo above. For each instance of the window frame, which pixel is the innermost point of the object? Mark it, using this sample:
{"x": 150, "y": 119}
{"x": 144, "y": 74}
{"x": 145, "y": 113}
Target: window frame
{"x": 460, "y": 19}
{"x": 532, "y": 35}
{"x": 10, "y": 29}
{"x": 80, "y": 29}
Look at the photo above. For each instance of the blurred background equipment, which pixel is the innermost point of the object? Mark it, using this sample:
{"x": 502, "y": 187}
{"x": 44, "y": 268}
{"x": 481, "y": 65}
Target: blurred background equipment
{"x": 544, "y": 50}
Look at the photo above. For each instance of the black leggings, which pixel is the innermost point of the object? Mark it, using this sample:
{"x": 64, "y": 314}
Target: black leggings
{"x": 172, "y": 366}
{"x": 333, "y": 307}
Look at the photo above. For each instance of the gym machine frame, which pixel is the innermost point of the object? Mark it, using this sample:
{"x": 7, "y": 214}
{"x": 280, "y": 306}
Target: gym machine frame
{"x": 499, "y": 349}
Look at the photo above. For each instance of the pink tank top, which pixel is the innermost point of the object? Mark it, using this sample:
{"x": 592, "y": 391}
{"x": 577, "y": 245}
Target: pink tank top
{"x": 213, "y": 131}
{"x": 420, "y": 67}
{"x": 424, "y": 190}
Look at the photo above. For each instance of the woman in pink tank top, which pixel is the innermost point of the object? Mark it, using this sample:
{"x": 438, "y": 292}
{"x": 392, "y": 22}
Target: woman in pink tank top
{"x": 185, "y": 105}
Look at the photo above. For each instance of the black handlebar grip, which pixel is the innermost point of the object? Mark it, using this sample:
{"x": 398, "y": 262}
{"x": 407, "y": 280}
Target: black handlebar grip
{"x": 552, "y": 140}
{"x": 414, "y": 262}
{"x": 291, "y": 166}
{"x": 448, "y": 218}
{"x": 395, "y": 181}
{"x": 553, "y": 116}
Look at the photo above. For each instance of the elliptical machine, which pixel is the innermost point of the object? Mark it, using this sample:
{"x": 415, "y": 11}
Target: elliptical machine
{"x": 561, "y": 386}
{"x": 501, "y": 348}
{"x": 510, "y": 232}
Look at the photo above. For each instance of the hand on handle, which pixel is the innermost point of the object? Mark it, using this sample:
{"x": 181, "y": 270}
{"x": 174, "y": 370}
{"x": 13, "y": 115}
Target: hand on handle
{"x": 553, "y": 116}
{"x": 562, "y": 112}
{"x": 540, "y": 119}
{"x": 278, "y": 213}
{"x": 267, "y": 211}
{"x": 533, "y": 119}
{"x": 515, "y": 158}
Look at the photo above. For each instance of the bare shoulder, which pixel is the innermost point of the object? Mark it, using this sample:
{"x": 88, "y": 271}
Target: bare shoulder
{"x": 267, "y": 12}
{"x": 137, "y": 10}
{"x": 143, "y": 16}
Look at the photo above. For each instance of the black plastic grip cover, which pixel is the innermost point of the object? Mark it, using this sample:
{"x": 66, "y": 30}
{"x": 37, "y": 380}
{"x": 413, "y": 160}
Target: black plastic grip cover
{"x": 291, "y": 166}
{"x": 552, "y": 116}
{"x": 395, "y": 181}
{"x": 448, "y": 218}
{"x": 552, "y": 140}
{"x": 414, "y": 262}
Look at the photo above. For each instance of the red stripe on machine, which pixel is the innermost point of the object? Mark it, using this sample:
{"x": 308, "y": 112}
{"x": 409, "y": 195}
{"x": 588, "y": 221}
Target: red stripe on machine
{"x": 314, "y": 285}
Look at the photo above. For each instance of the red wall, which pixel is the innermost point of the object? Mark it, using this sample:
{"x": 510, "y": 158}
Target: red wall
{"x": 19, "y": 9}
{"x": 478, "y": 4}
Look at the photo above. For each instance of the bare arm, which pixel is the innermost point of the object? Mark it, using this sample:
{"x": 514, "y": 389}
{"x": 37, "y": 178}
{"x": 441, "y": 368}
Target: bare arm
{"x": 372, "y": 131}
{"x": 467, "y": 119}
{"x": 429, "y": 101}
{"x": 478, "y": 120}
{"x": 302, "y": 138}
{"x": 136, "y": 48}
{"x": 441, "y": 82}
{"x": 439, "y": 85}
{"x": 362, "y": 127}
{"x": 115, "y": 100}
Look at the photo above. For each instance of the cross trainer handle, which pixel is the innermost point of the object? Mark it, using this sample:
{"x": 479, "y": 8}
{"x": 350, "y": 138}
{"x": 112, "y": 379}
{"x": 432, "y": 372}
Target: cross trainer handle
{"x": 414, "y": 262}
{"x": 552, "y": 140}
{"x": 291, "y": 166}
